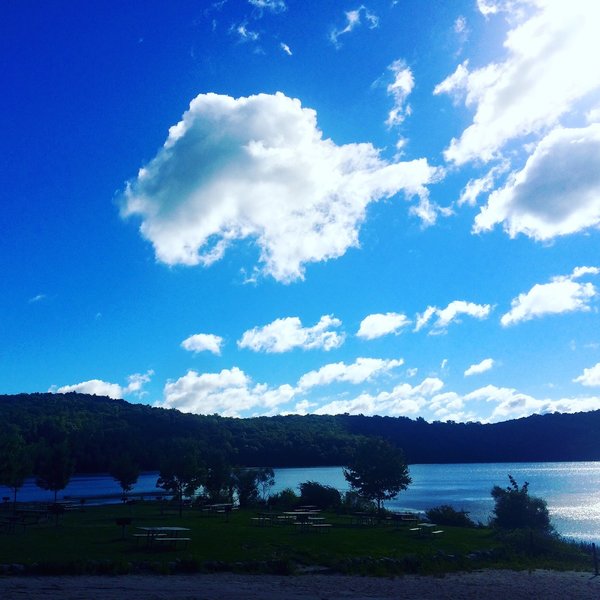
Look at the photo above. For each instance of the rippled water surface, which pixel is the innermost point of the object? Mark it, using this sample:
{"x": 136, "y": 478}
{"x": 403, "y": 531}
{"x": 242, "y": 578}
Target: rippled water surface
{"x": 572, "y": 490}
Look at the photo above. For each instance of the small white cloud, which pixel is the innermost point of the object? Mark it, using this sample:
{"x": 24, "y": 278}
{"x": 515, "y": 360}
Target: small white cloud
{"x": 399, "y": 90}
{"x": 450, "y": 314}
{"x": 590, "y": 377}
{"x": 283, "y": 335}
{"x": 485, "y": 365}
{"x": 229, "y": 393}
{"x": 286, "y": 49}
{"x": 361, "y": 370}
{"x": 97, "y": 387}
{"x": 556, "y": 193}
{"x": 562, "y": 295}
{"x": 201, "y": 342}
{"x": 258, "y": 168}
{"x": 354, "y": 18}
{"x": 380, "y": 324}
{"x": 136, "y": 382}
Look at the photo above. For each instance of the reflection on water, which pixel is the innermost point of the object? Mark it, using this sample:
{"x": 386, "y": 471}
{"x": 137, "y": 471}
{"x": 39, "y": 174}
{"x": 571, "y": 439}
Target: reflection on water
{"x": 572, "y": 490}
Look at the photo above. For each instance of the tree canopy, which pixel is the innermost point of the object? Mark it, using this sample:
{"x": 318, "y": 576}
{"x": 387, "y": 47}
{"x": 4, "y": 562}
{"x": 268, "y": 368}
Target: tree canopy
{"x": 15, "y": 461}
{"x": 377, "y": 471}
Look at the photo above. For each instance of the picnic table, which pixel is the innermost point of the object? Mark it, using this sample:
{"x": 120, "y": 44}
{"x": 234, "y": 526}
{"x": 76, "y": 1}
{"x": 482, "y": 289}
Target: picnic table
{"x": 306, "y": 520}
{"x": 363, "y": 518}
{"x": 162, "y": 535}
{"x": 428, "y": 529}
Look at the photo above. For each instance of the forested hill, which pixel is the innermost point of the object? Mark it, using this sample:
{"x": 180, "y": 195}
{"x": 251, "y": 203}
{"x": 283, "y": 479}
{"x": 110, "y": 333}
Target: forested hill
{"x": 99, "y": 429}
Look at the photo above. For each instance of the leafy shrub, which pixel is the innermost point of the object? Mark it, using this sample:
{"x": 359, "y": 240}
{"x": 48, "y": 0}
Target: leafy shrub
{"x": 284, "y": 500}
{"x": 353, "y": 502}
{"x": 447, "y": 515}
{"x": 321, "y": 496}
{"x": 516, "y": 509}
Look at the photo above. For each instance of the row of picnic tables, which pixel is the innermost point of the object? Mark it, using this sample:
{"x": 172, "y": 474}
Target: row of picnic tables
{"x": 305, "y": 518}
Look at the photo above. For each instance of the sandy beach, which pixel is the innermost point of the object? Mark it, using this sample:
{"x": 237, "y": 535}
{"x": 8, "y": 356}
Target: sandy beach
{"x": 486, "y": 584}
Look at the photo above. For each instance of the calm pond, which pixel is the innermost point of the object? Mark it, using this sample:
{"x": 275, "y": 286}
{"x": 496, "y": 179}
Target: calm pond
{"x": 572, "y": 490}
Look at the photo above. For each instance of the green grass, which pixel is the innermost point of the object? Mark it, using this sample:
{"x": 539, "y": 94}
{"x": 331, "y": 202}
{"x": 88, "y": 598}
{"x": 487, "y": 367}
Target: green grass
{"x": 90, "y": 541}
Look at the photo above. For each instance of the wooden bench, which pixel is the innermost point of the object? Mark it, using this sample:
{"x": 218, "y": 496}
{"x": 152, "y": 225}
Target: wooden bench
{"x": 172, "y": 540}
{"x": 321, "y": 526}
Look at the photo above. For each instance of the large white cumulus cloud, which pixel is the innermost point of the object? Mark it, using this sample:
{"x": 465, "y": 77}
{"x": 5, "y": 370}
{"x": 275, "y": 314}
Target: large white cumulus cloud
{"x": 259, "y": 168}
{"x": 556, "y": 193}
{"x": 550, "y": 64}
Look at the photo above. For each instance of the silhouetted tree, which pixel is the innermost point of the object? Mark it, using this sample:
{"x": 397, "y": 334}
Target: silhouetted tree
{"x": 219, "y": 482}
{"x": 516, "y": 509}
{"x": 265, "y": 479}
{"x": 125, "y": 472}
{"x": 15, "y": 461}
{"x": 377, "y": 471}
{"x": 54, "y": 467}
{"x": 252, "y": 484}
{"x": 181, "y": 472}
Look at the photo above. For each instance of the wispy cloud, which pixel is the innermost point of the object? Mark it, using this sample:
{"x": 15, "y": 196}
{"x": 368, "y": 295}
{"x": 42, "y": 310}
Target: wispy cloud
{"x": 354, "y": 18}
{"x": 37, "y": 298}
{"x": 275, "y": 6}
{"x": 399, "y": 90}
{"x": 451, "y": 314}
{"x": 243, "y": 33}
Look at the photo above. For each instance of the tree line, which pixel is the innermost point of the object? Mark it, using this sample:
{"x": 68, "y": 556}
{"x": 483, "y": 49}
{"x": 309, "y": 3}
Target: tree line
{"x": 95, "y": 432}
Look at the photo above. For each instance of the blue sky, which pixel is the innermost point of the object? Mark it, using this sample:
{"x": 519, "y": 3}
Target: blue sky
{"x": 255, "y": 207}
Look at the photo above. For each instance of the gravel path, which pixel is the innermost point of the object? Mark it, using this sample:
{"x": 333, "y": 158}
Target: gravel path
{"x": 486, "y": 585}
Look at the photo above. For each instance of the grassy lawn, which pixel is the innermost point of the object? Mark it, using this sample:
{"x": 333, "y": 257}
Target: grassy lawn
{"x": 90, "y": 540}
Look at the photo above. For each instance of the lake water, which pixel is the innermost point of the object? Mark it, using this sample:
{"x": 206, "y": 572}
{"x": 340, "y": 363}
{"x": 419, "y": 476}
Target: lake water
{"x": 572, "y": 490}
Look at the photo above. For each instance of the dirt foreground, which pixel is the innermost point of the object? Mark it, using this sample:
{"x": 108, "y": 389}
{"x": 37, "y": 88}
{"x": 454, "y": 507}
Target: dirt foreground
{"x": 487, "y": 585}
